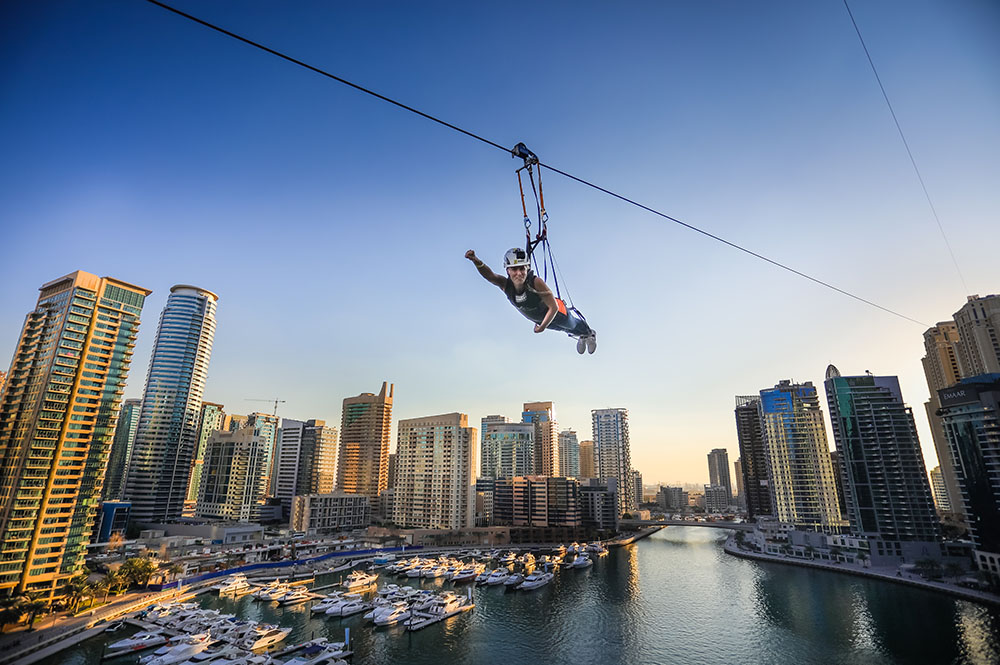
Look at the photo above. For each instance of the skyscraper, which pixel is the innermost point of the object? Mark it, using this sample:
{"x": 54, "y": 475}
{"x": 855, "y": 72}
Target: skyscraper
{"x": 166, "y": 438}
{"x": 970, "y": 414}
{"x": 803, "y": 491}
{"x": 363, "y": 459}
{"x": 885, "y": 483}
{"x": 978, "y": 324}
{"x": 569, "y": 454}
{"x": 741, "y": 498}
{"x": 57, "y": 420}
{"x": 543, "y": 416}
{"x": 718, "y": 470}
{"x": 941, "y": 499}
{"x": 753, "y": 454}
{"x": 508, "y": 450}
{"x": 306, "y": 460}
{"x": 435, "y": 487}
{"x": 234, "y": 476}
{"x": 121, "y": 449}
{"x": 941, "y": 370}
{"x": 635, "y": 486}
{"x": 612, "y": 453}
{"x": 489, "y": 420}
{"x": 266, "y": 425}
{"x": 209, "y": 421}
{"x": 588, "y": 467}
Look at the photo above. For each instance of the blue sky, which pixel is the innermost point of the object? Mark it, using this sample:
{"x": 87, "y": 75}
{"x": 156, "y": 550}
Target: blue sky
{"x": 142, "y": 146}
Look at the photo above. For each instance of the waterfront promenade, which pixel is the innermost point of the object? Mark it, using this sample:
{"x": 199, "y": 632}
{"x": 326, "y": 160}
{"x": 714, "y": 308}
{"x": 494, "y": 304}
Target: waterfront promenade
{"x": 886, "y": 574}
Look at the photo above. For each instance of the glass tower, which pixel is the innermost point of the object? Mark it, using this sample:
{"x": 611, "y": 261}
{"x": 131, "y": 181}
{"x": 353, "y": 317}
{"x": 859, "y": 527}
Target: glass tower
{"x": 121, "y": 449}
{"x": 612, "y": 453}
{"x": 57, "y": 421}
{"x": 165, "y": 441}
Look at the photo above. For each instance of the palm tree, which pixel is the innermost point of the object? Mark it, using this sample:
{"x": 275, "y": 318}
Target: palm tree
{"x": 138, "y": 570}
{"x": 33, "y": 604}
{"x": 11, "y": 611}
{"x": 174, "y": 570}
{"x": 103, "y": 585}
{"x": 77, "y": 588}
{"x": 863, "y": 558}
{"x": 116, "y": 580}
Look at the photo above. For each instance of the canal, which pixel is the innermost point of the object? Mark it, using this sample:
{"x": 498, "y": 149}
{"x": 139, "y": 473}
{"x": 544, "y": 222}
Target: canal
{"x": 674, "y": 597}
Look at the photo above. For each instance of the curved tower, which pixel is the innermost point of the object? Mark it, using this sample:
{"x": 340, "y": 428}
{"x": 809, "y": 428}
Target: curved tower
{"x": 166, "y": 436}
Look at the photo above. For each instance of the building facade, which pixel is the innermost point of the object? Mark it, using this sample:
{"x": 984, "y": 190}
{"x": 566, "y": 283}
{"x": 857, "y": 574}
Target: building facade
{"x": 803, "y": 490}
{"x": 57, "y": 421}
{"x": 970, "y": 415}
{"x": 612, "y": 452}
{"x": 210, "y": 420}
{"x": 121, "y": 449}
{"x": 718, "y": 469}
{"x": 306, "y": 460}
{"x": 363, "y": 457}
{"x": 321, "y": 514}
{"x": 435, "y": 469}
{"x": 588, "y": 468}
{"x": 635, "y": 486}
{"x": 941, "y": 369}
{"x": 599, "y": 503}
{"x": 717, "y": 498}
{"x": 543, "y": 416}
{"x": 234, "y": 476}
{"x": 753, "y": 454}
{"x": 740, "y": 492}
{"x": 508, "y": 450}
{"x": 885, "y": 483}
{"x": 569, "y": 454}
{"x": 941, "y": 497}
{"x": 543, "y": 501}
{"x": 166, "y": 437}
{"x": 978, "y": 324}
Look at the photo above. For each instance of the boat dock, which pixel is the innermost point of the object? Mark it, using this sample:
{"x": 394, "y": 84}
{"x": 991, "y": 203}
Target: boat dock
{"x": 423, "y": 619}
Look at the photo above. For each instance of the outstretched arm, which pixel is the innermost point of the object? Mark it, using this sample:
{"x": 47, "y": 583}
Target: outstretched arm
{"x": 484, "y": 270}
{"x": 550, "y": 302}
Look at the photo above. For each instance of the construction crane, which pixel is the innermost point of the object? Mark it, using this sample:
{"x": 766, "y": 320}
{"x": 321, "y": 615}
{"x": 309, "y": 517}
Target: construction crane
{"x": 276, "y": 403}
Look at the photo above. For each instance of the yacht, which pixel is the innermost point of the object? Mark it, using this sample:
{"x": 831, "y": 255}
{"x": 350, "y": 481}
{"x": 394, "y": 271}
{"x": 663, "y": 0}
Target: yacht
{"x": 220, "y": 653}
{"x": 359, "y": 580}
{"x": 139, "y": 641}
{"x": 528, "y": 559}
{"x": 265, "y": 636}
{"x": 178, "y": 651}
{"x": 349, "y": 607}
{"x": 328, "y": 602}
{"x": 233, "y": 585}
{"x": 394, "y": 613}
{"x": 295, "y": 596}
{"x": 464, "y": 575}
{"x": 271, "y": 590}
{"x": 535, "y": 580}
{"x": 320, "y": 654}
{"x": 436, "y": 571}
{"x": 483, "y": 576}
{"x": 499, "y": 576}
{"x": 514, "y": 579}
{"x": 508, "y": 558}
{"x": 581, "y": 561}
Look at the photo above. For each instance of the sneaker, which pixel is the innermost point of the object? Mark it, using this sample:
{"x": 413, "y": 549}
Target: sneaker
{"x": 591, "y": 343}
{"x": 581, "y": 345}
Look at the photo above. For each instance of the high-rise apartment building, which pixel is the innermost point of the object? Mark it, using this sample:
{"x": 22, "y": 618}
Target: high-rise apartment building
{"x": 167, "y": 435}
{"x": 753, "y": 454}
{"x": 210, "y": 420}
{"x": 718, "y": 469}
{"x": 121, "y": 449}
{"x": 803, "y": 490}
{"x": 508, "y": 450}
{"x": 970, "y": 414}
{"x": 599, "y": 503}
{"x": 885, "y": 483}
{"x": 306, "y": 460}
{"x": 941, "y": 498}
{"x": 569, "y": 454}
{"x": 978, "y": 324}
{"x": 543, "y": 416}
{"x": 588, "y": 467}
{"x": 363, "y": 458}
{"x": 941, "y": 370}
{"x": 486, "y": 421}
{"x": 57, "y": 420}
{"x": 612, "y": 453}
{"x": 435, "y": 486}
{"x": 541, "y": 501}
{"x": 3, "y": 381}
{"x": 234, "y": 476}
{"x": 738, "y": 474}
{"x": 635, "y": 486}
{"x": 232, "y": 422}
{"x": 322, "y": 514}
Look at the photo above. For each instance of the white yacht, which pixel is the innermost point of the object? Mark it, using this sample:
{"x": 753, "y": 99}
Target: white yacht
{"x": 320, "y": 654}
{"x": 359, "y": 580}
{"x": 581, "y": 561}
{"x": 265, "y": 636}
{"x": 514, "y": 579}
{"x": 508, "y": 558}
{"x": 351, "y": 603}
{"x": 328, "y": 602}
{"x": 295, "y": 596}
{"x": 535, "y": 580}
{"x": 178, "y": 651}
{"x": 528, "y": 559}
{"x": 394, "y": 613}
{"x": 139, "y": 641}
{"x": 233, "y": 585}
{"x": 271, "y": 590}
{"x": 499, "y": 576}
{"x": 483, "y": 576}
{"x": 464, "y": 575}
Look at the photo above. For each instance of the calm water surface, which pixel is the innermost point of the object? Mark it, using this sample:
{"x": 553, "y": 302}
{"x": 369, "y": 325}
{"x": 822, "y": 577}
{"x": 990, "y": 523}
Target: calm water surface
{"x": 674, "y": 597}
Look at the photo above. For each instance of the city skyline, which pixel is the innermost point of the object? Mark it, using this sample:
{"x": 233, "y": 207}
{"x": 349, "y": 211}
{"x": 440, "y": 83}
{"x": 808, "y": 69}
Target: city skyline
{"x": 811, "y": 172}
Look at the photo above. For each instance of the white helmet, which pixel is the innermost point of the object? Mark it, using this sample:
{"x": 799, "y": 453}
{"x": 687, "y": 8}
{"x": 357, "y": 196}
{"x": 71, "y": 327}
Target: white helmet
{"x": 515, "y": 257}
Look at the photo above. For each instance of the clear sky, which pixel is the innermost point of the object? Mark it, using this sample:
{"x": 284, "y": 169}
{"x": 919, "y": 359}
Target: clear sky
{"x": 139, "y": 145}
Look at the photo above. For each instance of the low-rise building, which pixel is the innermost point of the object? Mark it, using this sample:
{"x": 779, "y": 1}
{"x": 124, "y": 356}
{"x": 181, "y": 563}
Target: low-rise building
{"x": 330, "y": 513}
{"x": 599, "y": 503}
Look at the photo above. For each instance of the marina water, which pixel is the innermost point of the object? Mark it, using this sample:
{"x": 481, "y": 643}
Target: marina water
{"x": 674, "y": 597}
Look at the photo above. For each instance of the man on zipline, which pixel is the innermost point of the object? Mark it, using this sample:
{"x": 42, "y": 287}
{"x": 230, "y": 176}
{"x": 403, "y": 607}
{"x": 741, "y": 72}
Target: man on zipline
{"x": 529, "y": 294}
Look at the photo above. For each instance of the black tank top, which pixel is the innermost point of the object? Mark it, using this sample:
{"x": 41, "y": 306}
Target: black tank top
{"x": 529, "y": 303}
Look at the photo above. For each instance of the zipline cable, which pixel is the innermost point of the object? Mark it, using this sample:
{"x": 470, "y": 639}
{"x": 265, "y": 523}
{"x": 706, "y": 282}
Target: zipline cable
{"x": 456, "y": 128}
{"x": 906, "y": 145}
